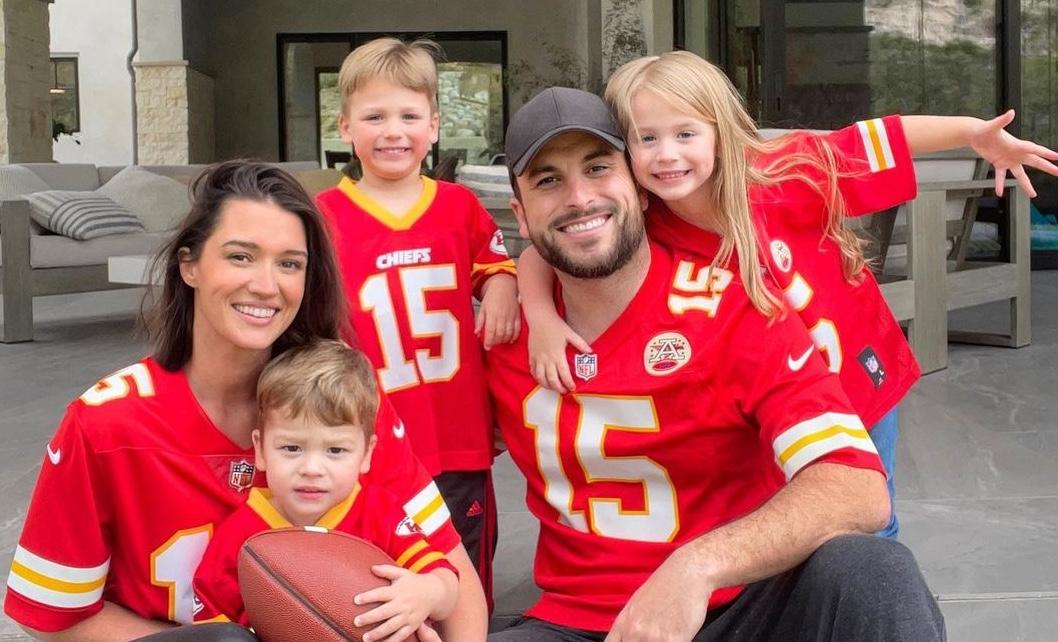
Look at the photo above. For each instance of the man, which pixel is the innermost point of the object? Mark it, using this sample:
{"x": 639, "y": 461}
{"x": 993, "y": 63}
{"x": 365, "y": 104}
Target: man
{"x": 702, "y": 481}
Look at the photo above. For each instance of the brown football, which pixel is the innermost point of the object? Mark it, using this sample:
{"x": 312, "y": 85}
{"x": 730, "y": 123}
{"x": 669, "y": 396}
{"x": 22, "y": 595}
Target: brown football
{"x": 299, "y": 584}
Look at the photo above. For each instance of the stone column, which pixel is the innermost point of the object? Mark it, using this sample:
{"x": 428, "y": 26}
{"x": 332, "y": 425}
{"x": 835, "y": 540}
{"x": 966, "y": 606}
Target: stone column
{"x": 25, "y": 76}
{"x": 174, "y": 114}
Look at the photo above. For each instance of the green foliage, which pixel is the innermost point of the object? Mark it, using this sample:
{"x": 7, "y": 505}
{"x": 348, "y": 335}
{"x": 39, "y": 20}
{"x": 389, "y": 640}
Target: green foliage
{"x": 908, "y": 76}
{"x": 565, "y": 69}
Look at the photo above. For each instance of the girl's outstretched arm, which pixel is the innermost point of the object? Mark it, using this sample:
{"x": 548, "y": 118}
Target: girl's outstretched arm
{"x": 1004, "y": 151}
{"x": 548, "y": 333}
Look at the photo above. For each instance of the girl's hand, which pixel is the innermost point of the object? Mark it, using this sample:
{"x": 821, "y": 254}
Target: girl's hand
{"x": 1008, "y": 153}
{"x": 547, "y": 353}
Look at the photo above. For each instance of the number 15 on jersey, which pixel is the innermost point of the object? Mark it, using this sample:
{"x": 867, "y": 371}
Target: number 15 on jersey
{"x": 402, "y": 370}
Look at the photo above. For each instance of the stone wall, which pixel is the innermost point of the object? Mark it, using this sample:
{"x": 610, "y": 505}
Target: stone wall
{"x": 25, "y": 76}
{"x": 174, "y": 106}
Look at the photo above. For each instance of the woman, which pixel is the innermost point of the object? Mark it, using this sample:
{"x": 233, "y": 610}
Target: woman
{"x": 146, "y": 461}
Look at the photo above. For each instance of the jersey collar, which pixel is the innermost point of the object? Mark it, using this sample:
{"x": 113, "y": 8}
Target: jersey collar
{"x": 397, "y": 222}
{"x": 667, "y": 228}
{"x": 260, "y": 502}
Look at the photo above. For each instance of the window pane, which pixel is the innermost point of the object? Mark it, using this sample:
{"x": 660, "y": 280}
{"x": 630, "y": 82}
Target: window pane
{"x": 66, "y": 73}
{"x": 934, "y": 57}
{"x": 63, "y": 93}
{"x": 1039, "y": 93}
{"x": 470, "y": 100}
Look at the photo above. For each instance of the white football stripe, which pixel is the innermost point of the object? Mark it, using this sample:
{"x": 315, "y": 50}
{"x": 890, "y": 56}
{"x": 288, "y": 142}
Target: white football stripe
{"x": 48, "y": 597}
{"x": 815, "y": 450}
{"x": 74, "y": 574}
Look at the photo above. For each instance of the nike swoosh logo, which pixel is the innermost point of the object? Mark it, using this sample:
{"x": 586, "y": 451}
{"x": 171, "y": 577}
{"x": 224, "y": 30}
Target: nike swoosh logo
{"x": 398, "y": 430}
{"x": 54, "y": 455}
{"x": 799, "y": 362}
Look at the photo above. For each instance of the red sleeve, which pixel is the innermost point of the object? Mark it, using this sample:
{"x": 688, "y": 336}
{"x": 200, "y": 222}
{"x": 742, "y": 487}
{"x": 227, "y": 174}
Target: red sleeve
{"x": 396, "y": 469}
{"x": 217, "y": 595}
{"x": 803, "y": 414}
{"x": 61, "y": 562}
{"x": 486, "y": 244}
{"x": 877, "y": 170}
{"x": 404, "y": 541}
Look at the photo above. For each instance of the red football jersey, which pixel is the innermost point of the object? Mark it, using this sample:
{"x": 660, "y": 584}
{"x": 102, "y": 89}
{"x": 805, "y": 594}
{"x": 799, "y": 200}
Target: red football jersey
{"x": 683, "y": 420}
{"x": 851, "y": 323}
{"x": 410, "y": 279}
{"x": 371, "y": 514}
{"x": 130, "y": 490}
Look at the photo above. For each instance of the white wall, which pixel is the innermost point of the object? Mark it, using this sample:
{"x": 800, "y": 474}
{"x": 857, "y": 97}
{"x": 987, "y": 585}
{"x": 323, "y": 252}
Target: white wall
{"x": 99, "y": 33}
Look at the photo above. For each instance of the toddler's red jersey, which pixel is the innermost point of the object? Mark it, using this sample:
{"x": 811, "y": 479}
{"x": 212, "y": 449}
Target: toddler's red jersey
{"x": 410, "y": 280}
{"x": 692, "y": 411}
{"x": 371, "y": 514}
{"x": 850, "y": 322}
{"x": 131, "y": 488}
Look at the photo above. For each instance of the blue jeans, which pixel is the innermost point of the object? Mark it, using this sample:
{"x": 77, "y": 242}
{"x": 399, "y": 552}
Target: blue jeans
{"x": 883, "y": 434}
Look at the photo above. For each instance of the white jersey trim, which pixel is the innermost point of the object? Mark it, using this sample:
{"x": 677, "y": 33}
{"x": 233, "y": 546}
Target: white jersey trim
{"x": 813, "y": 438}
{"x": 876, "y": 144}
{"x": 56, "y": 584}
{"x": 428, "y": 509}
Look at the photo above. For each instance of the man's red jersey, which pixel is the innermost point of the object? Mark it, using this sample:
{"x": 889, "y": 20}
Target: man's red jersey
{"x": 850, "y": 322}
{"x": 410, "y": 280}
{"x": 131, "y": 488}
{"x": 692, "y": 411}
{"x": 369, "y": 513}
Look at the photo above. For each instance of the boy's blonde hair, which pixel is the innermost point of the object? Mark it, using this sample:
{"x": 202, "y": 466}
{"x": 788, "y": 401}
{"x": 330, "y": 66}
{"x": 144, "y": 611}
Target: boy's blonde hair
{"x": 409, "y": 65}
{"x": 324, "y": 381}
{"x": 694, "y": 86}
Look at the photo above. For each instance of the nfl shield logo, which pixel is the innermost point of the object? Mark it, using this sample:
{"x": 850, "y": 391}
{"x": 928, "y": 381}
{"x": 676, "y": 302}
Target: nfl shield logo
{"x": 240, "y": 476}
{"x": 586, "y": 365}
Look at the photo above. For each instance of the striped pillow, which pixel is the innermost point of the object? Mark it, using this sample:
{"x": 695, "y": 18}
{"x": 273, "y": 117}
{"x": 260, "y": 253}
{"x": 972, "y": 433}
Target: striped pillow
{"x": 81, "y": 215}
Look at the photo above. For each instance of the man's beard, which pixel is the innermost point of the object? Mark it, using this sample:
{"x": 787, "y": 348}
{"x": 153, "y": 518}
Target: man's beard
{"x": 630, "y": 234}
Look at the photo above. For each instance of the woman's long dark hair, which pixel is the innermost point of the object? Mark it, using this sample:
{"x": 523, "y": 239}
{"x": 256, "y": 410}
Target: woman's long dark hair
{"x": 168, "y": 321}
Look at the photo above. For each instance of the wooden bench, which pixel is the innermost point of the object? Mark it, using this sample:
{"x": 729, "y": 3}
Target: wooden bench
{"x": 937, "y": 277}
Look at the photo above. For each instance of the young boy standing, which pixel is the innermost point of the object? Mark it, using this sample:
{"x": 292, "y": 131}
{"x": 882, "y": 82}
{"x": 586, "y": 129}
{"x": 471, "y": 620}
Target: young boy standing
{"x": 413, "y": 253}
{"x": 318, "y": 406}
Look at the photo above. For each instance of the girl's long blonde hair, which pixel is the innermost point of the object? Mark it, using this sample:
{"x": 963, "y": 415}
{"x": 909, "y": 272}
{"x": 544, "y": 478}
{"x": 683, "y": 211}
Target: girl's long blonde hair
{"x": 694, "y": 86}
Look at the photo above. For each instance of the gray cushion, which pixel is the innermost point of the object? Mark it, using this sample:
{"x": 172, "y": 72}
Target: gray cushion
{"x": 59, "y": 251}
{"x": 107, "y": 172}
{"x": 81, "y": 215}
{"x": 487, "y": 181}
{"x": 16, "y": 181}
{"x": 158, "y": 201}
{"x": 68, "y": 176}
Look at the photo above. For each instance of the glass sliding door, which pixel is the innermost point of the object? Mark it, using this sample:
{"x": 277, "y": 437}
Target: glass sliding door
{"x": 822, "y": 64}
{"x": 471, "y": 94}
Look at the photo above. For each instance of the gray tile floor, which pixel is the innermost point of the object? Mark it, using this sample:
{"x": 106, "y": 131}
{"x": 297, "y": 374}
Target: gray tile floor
{"x": 977, "y": 478}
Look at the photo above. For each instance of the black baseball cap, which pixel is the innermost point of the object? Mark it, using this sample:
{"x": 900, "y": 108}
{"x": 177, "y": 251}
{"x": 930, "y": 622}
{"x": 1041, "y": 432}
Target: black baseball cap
{"x": 552, "y": 112}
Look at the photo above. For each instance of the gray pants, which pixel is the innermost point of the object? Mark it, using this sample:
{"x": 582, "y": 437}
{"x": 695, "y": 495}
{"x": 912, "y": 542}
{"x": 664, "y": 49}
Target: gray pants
{"x": 227, "y": 632}
{"x": 856, "y": 587}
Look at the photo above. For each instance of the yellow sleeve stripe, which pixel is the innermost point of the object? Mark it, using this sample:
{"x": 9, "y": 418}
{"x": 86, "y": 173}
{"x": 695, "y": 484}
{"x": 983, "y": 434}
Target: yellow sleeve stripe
{"x": 492, "y": 268}
{"x": 424, "y": 514}
{"x": 425, "y": 561}
{"x": 51, "y": 592}
{"x": 412, "y": 551}
{"x": 62, "y": 572}
{"x": 216, "y": 618}
{"x": 876, "y": 142}
{"x": 809, "y": 440}
{"x": 428, "y": 509}
{"x": 53, "y": 584}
